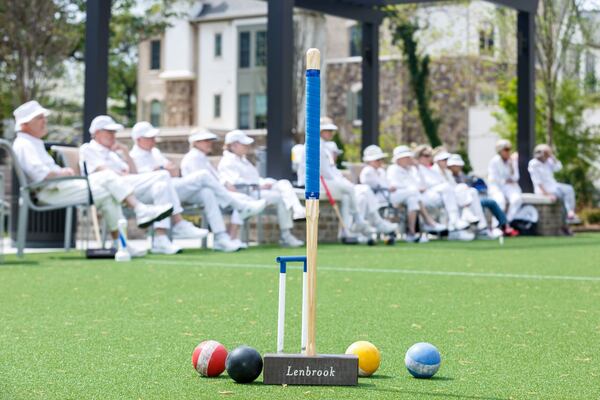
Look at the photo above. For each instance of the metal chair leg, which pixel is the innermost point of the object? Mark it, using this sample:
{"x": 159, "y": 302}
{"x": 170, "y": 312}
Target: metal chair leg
{"x": 68, "y": 227}
{"x": 22, "y": 227}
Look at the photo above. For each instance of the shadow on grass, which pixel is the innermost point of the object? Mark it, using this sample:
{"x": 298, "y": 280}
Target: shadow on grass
{"x": 18, "y": 262}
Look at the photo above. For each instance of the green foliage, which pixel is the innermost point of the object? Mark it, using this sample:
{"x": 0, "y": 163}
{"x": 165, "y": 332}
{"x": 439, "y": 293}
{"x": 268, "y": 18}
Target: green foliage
{"x": 403, "y": 35}
{"x": 590, "y": 216}
{"x": 464, "y": 153}
{"x": 574, "y": 141}
{"x": 338, "y": 141}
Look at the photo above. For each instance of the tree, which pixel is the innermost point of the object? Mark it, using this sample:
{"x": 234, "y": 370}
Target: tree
{"x": 557, "y": 23}
{"x": 37, "y": 36}
{"x": 403, "y": 30}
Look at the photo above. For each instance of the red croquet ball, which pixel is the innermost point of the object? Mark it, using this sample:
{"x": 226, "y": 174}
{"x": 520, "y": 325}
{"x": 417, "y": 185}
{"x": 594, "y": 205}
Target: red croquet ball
{"x": 209, "y": 357}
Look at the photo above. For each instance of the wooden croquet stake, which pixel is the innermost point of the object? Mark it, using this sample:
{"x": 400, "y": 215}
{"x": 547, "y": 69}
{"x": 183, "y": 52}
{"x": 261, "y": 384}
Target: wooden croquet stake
{"x": 313, "y": 111}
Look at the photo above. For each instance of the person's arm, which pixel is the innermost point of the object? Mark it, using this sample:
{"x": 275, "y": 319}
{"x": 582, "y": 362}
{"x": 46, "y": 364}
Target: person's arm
{"x": 123, "y": 152}
{"x": 59, "y": 173}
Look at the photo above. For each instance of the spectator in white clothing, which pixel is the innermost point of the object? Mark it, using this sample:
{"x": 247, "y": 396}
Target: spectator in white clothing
{"x": 196, "y": 187}
{"x": 542, "y": 169}
{"x": 109, "y": 191}
{"x": 235, "y": 169}
{"x": 503, "y": 179}
{"x": 103, "y": 152}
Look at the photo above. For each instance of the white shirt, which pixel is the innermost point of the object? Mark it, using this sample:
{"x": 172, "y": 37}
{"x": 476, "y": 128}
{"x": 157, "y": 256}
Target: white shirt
{"x": 427, "y": 177}
{"x": 147, "y": 161}
{"x": 235, "y": 169}
{"x": 542, "y": 173}
{"x": 374, "y": 178}
{"x": 95, "y": 156}
{"x": 196, "y": 160}
{"x": 402, "y": 178}
{"x": 33, "y": 157}
{"x": 446, "y": 174}
{"x": 500, "y": 171}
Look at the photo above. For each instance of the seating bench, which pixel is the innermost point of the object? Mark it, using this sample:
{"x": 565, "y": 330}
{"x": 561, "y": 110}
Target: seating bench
{"x": 551, "y": 214}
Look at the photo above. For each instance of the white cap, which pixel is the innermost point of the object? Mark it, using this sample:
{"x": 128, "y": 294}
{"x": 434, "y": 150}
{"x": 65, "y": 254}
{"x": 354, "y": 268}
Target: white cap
{"x": 373, "y": 153}
{"x": 442, "y": 155}
{"x": 28, "y": 111}
{"x": 332, "y": 147}
{"x": 455, "y": 160}
{"x": 104, "y": 122}
{"x": 238, "y": 136}
{"x": 201, "y": 134}
{"x": 401, "y": 152}
{"x": 143, "y": 129}
{"x": 326, "y": 124}
{"x": 502, "y": 144}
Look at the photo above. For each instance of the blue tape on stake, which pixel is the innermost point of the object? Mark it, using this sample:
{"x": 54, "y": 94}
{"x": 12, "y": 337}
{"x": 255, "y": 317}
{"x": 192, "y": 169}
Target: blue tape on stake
{"x": 313, "y": 113}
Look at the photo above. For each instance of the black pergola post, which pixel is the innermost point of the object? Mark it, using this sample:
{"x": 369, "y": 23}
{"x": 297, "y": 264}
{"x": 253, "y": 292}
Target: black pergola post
{"x": 370, "y": 84}
{"x": 96, "y": 61}
{"x": 526, "y": 94}
{"x": 280, "y": 105}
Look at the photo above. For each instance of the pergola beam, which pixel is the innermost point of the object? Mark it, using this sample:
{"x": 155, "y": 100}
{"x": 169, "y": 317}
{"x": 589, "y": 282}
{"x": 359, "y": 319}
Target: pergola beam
{"x": 344, "y": 10}
{"x": 519, "y": 5}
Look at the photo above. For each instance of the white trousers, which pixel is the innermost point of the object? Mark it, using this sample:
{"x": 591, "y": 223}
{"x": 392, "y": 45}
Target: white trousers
{"x": 565, "y": 193}
{"x": 108, "y": 189}
{"x": 201, "y": 187}
{"x": 509, "y": 193}
{"x": 442, "y": 196}
{"x": 282, "y": 196}
{"x": 155, "y": 187}
{"x": 368, "y": 203}
{"x": 343, "y": 190}
{"x": 407, "y": 197}
{"x": 468, "y": 197}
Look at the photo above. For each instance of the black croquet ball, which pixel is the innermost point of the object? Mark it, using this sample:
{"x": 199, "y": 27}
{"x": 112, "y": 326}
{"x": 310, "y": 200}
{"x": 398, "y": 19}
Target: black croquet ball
{"x": 244, "y": 364}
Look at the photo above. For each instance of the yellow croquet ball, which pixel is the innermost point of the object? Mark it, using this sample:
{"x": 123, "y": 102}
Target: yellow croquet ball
{"x": 368, "y": 357}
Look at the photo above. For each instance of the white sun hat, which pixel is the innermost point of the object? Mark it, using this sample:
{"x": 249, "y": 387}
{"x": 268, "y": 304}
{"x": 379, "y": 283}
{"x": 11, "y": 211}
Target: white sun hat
{"x": 401, "y": 152}
{"x": 104, "y": 122}
{"x": 238, "y": 136}
{"x": 502, "y": 144}
{"x": 455, "y": 160}
{"x": 373, "y": 153}
{"x": 442, "y": 155}
{"x": 201, "y": 134}
{"x": 326, "y": 124}
{"x": 28, "y": 111}
{"x": 144, "y": 129}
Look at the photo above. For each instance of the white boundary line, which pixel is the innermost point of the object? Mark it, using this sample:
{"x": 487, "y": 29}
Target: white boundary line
{"x": 387, "y": 271}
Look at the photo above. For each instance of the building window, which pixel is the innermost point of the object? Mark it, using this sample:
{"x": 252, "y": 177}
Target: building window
{"x": 261, "y": 49}
{"x": 244, "y": 49}
{"x": 486, "y": 39}
{"x": 244, "y": 111}
{"x": 218, "y": 45}
{"x": 591, "y": 80}
{"x": 355, "y": 40}
{"x": 260, "y": 111}
{"x": 354, "y": 106}
{"x": 217, "y": 106}
{"x": 155, "y": 112}
{"x": 155, "y": 54}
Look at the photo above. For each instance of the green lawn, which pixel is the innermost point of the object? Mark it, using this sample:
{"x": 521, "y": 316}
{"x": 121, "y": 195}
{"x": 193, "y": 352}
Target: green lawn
{"x": 521, "y": 321}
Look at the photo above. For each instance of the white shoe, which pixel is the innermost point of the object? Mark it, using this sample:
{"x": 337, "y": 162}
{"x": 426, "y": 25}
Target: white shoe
{"x": 496, "y": 233}
{"x": 458, "y": 225}
{"x": 468, "y": 216}
{"x": 225, "y": 244}
{"x": 299, "y": 214}
{"x": 136, "y": 252}
{"x": 252, "y": 208}
{"x": 424, "y": 238}
{"x": 411, "y": 238}
{"x": 485, "y": 234}
{"x": 162, "y": 245}
{"x": 462, "y": 235}
{"x": 186, "y": 230}
{"x": 435, "y": 228}
{"x": 146, "y": 214}
{"x": 289, "y": 240}
{"x": 241, "y": 245}
{"x": 384, "y": 226}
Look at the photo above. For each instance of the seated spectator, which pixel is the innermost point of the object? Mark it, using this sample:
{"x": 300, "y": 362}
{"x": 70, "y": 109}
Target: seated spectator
{"x": 466, "y": 196}
{"x": 455, "y": 165}
{"x": 503, "y": 180}
{"x": 198, "y": 187}
{"x": 403, "y": 189}
{"x": 542, "y": 169}
{"x": 109, "y": 190}
{"x": 234, "y": 168}
{"x": 437, "y": 192}
{"x": 243, "y": 206}
{"x": 103, "y": 152}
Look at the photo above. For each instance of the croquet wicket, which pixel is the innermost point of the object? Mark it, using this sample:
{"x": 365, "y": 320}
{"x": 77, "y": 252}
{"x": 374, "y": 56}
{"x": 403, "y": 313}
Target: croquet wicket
{"x": 283, "y": 260}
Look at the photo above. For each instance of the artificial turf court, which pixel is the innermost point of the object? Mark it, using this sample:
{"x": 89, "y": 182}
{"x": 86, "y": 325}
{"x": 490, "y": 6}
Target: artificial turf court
{"x": 520, "y": 321}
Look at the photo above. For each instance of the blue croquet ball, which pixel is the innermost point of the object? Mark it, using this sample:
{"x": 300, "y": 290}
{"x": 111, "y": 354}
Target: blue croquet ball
{"x": 422, "y": 360}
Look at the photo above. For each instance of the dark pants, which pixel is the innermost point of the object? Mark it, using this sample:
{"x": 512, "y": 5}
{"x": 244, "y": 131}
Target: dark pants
{"x": 495, "y": 209}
